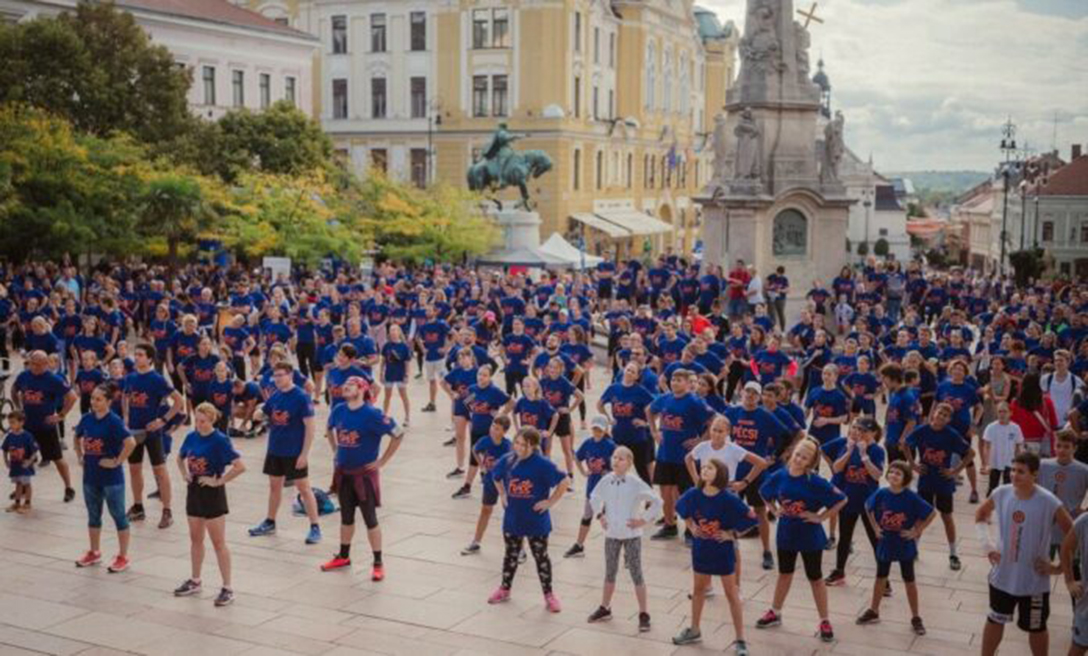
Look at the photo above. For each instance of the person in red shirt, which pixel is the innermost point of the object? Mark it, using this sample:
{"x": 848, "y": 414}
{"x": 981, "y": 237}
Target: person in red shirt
{"x": 1033, "y": 411}
{"x": 738, "y": 290}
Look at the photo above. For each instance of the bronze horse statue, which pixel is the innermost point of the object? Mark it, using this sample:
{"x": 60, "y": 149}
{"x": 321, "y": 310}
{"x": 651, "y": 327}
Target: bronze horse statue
{"x": 501, "y": 166}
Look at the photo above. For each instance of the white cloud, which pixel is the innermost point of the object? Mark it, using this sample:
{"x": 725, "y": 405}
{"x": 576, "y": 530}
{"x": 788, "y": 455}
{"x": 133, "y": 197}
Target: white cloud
{"x": 927, "y": 84}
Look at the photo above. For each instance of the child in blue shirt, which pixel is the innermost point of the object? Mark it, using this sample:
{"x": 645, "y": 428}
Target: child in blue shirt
{"x": 900, "y": 516}
{"x": 20, "y": 455}
{"x": 490, "y": 455}
{"x": 396, "y": 360}
{"x": 594, "y": 460}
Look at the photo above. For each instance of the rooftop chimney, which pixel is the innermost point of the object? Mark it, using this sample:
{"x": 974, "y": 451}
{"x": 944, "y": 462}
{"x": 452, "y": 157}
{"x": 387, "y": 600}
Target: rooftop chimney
{"x": 1076, "y": 151}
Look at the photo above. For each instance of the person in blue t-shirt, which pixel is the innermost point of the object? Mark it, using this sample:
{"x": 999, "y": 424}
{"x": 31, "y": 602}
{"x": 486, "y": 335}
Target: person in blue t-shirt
{"x": 489, "y": 453}
{"x": 484, "y": 401}
{"x": 46, "y": 399}
{"x": 102, "y": 445}
{"x": 594, "y": 460}
{"x": 828, "y": 406}
{"x": 803, "y": 501}
{"x": 715, "y": 516}
{"x": 942, "y": 453}
{"x": 355, "y": 432}
{"x": 902, "y": 411}
{"x": 529, "y": 485}
{"x": 900, "y": 516}
{"x": 290, "y": 415}
{"x": 396, "y": 361}
{"x": 563, "y": 395}
{"x": 20, "y": 455}
{"x": 678, "y": 421}
{"x": 966, "y": 404}
{"x": 518, "y": 349}
{"x": 857, "y": 463}
{"x": 625, "y": 403}
{"x": 861, "y": 386}
{"x": 456, "y": 384}
{"x": 207, "y": 461}
{"x": 533, "y": 410}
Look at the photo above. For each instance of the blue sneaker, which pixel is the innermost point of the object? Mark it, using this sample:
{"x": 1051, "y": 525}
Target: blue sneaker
{"x": 264, "y": 528}
{"x": 314, "y": 536}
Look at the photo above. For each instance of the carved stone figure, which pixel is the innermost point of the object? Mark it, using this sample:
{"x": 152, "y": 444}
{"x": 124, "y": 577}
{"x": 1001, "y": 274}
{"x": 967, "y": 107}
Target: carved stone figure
{"x": 500, "y": 166}
{"x": 803, "y": 41}
{"x": 749, "y": 164}
{"x": 833, "y": 149}
{"x": 721, "y": 155}
{"x": 761, "y": 48}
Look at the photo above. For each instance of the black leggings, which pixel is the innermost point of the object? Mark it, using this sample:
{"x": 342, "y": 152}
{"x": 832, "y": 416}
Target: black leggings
{"x": 582, "y": 406}
{"x": 349, "y": 501}
{"x": 307, "y": 358}
{"x": 813, "y": 560}
{"x": 847, "y": 522}
{"x": 997, "y": 477}
{"x": 513, "y": 381}
{"x": 538, "y": 545}
{"x": 906, "y": 568}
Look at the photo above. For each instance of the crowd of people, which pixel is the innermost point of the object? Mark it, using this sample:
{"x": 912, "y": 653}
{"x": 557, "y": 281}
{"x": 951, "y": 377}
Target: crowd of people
{"x": 706, "y": 415}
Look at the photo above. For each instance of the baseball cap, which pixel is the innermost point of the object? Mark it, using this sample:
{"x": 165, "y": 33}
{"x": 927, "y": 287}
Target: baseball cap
{"x": 600, "y": 421}
{"x": 867, "y": 424}
{"x": 753, "y": 386}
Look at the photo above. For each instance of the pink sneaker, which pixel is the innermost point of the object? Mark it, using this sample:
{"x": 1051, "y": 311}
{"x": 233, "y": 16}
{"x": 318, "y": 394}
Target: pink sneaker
{"x": 552, "y": 603}
{"x": 500, "y": 595}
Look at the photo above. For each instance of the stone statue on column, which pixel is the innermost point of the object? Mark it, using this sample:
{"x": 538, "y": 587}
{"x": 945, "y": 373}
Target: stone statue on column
{"x": 721, "y": 152}
{"x": 804, "y": 40}
{"x": 834, "y": 148}
{"x": 761, "y": 48}
{"x": 749, "y": 164}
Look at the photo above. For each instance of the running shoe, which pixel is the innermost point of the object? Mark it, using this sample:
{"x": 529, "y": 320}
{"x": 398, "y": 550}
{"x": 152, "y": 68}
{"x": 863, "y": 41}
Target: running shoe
{"x": 768, "y": 560}
{"x": 187, "y": 589}
{"x": 13, "y": 508}
{"x": 155, "y": 495}
{"x": 264, "y": 528}
{"x": 551, "y": 602}
{"x": 769, "y": 619}
{"x": 826, "y": 634}
{"x": 314, "y": 535}
{"x": 119, "y": 564}
{"x": 336, "y": 563}
{"x": 462, "y": 492}
{"x": 740, "y": 648}
{"x": 974, "y": 497}
{"x": 600, "y": 615}
{"x": 917, "y": 626}
{"x": 832, "y": 542}
{"x": 643, "y": 622}
{"x": 688, "y": 636}
{"x": 135, "y": 513}
{"x": 954, "y": 563}
{"x": 90, "y": 558}
{"x": 377, "y": 572}
{"x": 450, "y": 442}
{"x": 167, "y": 519}
{"x": 429, "y": 407}
{"x": 498, "y": 596}
{"x": 576, "y": 551}
{"x": 870, "y": 616}
{"x": 666, "y": 533}
{"x": 224, "y": 598}
{"x": 456, "y": 473}
{"x": 835, "y": 579}
{"x": 69, "y": 494}
{"x": 472, "y": 549}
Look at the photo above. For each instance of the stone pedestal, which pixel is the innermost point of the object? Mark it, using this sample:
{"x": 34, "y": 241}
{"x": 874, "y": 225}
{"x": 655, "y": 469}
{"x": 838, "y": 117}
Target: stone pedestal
{"x": 520, "y": 227}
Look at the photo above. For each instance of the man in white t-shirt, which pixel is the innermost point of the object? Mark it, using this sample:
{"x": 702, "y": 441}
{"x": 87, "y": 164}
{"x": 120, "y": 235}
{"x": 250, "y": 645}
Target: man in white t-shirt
{"x": 1004, "y": 439}
{"x": 1020, "y": 563}
{"x": 1062, "y": 385}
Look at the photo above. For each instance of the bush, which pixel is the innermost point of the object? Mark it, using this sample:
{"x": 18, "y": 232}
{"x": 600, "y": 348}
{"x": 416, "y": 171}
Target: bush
{"x": 863, "y": 248}
{"x": 881, "y": 248}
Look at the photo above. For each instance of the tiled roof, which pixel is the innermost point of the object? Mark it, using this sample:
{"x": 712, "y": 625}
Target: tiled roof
{"x": 886, "y": 200}
{"x": 1069, "y": 180}
{"x": 216, "y": 11}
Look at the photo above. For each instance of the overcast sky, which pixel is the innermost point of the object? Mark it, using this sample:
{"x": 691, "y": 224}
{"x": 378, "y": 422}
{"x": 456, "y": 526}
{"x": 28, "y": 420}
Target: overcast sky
{"x": 927, "y": 84}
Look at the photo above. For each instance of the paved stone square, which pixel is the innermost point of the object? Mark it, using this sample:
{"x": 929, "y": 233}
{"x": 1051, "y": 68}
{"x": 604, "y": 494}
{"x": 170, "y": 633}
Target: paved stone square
{"x": 433, "y": 600}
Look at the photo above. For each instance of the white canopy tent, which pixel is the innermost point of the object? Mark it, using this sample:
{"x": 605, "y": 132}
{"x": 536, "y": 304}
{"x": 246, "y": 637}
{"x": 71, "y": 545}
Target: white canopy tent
{"x": 561, "y": 248}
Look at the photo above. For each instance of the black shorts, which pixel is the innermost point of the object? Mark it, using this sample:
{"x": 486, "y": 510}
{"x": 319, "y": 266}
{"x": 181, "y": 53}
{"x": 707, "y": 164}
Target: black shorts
{"x": 155, "y": 452}
{"x": 1032, "y": 610}
{"x": 205, "y": 502}
{"x": 349, "y": 501}
{"x": 473, "y": 438}
{"x": 751, "y": 495}
{"x": 48, "y": 440}
{"x": 942, "y": 502}
{"x": 563, "y": 427}
{"x": 906, "y": 568}
{"x": 284, "y": 466}
{"x": 813, "y": 560}
{"x": 671, "y": 473}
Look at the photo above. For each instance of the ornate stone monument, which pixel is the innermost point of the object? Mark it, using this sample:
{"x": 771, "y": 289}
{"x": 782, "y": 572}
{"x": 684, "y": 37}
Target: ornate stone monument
{"x": 775, "y": 196}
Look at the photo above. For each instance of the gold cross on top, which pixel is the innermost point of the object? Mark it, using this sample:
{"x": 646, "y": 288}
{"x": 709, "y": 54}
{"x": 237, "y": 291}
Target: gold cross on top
{"x": 810, "y": 15}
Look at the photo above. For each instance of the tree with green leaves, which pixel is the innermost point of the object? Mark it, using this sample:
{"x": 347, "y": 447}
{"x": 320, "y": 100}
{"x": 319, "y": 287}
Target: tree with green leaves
{"x": 176, "y": 208}
{"x": 98, "y": 69}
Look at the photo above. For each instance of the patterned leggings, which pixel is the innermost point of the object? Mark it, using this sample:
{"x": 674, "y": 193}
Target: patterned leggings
{"x": 632, "y": 558}
{"x": 538, "y": 545}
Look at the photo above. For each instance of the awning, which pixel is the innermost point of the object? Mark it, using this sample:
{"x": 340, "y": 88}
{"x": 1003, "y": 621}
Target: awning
{"x": 597, "y": 223}
{"x": 637, "y": 223}
{"x": 531, "y": 257}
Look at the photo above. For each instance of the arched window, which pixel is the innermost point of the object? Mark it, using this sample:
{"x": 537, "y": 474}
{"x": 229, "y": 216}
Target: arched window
{"x": 651, "y": 75}
{"x": 667, "y": 80}
{"x": 790, "y": 233}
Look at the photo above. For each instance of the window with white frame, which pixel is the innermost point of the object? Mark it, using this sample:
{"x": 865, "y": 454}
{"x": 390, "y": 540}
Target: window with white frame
{"x": 651, "y": 75}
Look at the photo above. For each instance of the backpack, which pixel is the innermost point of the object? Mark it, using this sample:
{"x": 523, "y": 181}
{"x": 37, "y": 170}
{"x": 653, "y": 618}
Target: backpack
{"x": 325, "y": 505}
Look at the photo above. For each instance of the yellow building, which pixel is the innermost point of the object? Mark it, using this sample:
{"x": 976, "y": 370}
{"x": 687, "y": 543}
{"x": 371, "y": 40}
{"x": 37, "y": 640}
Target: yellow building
{"x": 621, "y": 95}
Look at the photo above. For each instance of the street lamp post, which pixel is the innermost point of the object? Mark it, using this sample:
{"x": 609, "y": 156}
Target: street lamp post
{"x": 434, "y": 119}
{"x": 1008, "y": 147}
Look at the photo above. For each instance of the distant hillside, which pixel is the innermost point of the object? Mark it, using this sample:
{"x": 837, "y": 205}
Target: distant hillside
{"x": 936, "y": 188}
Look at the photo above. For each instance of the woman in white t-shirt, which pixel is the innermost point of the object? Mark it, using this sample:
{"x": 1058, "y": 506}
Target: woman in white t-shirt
{"x": 1004, "y": 439}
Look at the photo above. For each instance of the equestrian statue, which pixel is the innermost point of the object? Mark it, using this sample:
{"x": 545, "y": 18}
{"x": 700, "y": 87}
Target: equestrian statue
{"x": 501, "y": 166}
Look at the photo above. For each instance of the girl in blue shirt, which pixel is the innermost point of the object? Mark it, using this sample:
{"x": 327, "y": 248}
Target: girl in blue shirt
{"x": 485, "y": 401}
{"x": 533, "y": 410}
{"x": 203, "y": 461}
{"x": 396, "y": 358}
{"x": 529, "y": 485}
{"x": 456, "y": 384}
{"x": 714, "y": 516}
{"x": 564, "y": 396}
{"x": 803, "y": 501}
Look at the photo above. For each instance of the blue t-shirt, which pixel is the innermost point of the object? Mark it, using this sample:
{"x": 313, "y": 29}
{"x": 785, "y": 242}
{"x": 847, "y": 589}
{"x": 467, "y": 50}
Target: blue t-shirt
{"x": 796, "y": 495}
{"x": 597, "y": 456}
{"x": 359, "y": 434}
{"x": 709, "y": 517}
{"x": 902, "y": 408}
{"x": 757, "y": 431}
{"x": 488, "y": 455}
{"x": 894, "y": 513}
{"x": 628, "y": 403}
{"x": 537, "y": 414}
{"x": 81, "y": 343}
{"x": 287, "y": 412}
{"x": 145, "y": 393}
{"x": 221, "y": 395}
{"x": 42, "y": 396}
{"x": 207, "y": 455}
{"x": 527, "y": 482}
{"x": 87, "y": 380}
{"x": 200, "y": 372}
{"x": 826, "y": 403}
{"x": 460, "y": 380}
{"x": 771, "y": 365}
{"x": 517, "y": 349}
{"x": 855, "y": 480}
{"x": 235, "y": 339}
{"x": 935, "y": 450}
{"x": 962, "y": 397}
{"x": 337, "y": 376}
{"x": 863, "y": 386}
{"x": 102, "y": 438}
{"x": 397, "y": 355}
{"x": 682, "y": 421}
{"x": 20, "y": 448}
{"x": 483, "y": 403}
{"x": 558, "y": 392}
